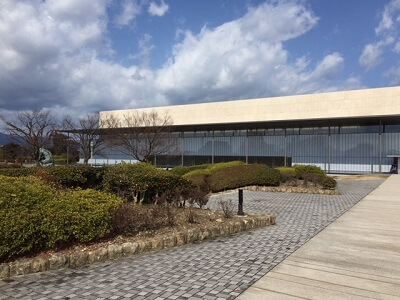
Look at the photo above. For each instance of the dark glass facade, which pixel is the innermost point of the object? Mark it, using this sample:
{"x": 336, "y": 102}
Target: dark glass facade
{"x": 342, "y": 146}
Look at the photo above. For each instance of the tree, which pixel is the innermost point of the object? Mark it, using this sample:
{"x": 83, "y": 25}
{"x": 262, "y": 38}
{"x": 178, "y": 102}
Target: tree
{"x": 12, "y": 151}
{"x": 143, "y": 135}
{"x": 85, "y": 133}
{"x": 31, "y": 128}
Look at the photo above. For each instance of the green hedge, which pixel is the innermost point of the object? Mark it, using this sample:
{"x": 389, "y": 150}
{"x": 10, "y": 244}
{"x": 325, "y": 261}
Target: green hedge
{"x": 19, "y": 172}
{"x": 328, "y": 182}
{"x": 234, "y": 176}
{"x": 140, "y": 182}
{"x": 35, "y": 216}
{"x": 82, "y": 176}
{"x": 286, "y": 173}
{"x": 308, "y": 169}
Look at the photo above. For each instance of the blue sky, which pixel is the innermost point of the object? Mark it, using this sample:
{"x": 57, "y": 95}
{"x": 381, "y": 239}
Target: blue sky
{"x": 80, "y": 56}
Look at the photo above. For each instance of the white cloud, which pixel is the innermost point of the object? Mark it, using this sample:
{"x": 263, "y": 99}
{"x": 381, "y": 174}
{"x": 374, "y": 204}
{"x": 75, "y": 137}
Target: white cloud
{"x": 51, "y": 56}
{"x": 389, "y": 13}
{"x": 394, "y": 75}
{"x": 158, "y": 10}
{"x": 246, "y": 58}
{"x": 387, "y": 32}
{"x": 130, "y": 10}
{"x": 371, "y": 55}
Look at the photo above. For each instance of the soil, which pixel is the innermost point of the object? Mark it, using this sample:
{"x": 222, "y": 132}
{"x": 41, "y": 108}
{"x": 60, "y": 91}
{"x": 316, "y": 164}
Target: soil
{"x": 360, "y": 177}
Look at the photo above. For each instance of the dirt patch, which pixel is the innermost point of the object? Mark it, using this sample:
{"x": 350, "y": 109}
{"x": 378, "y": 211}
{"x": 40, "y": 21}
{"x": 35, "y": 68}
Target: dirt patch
{"x": 361, "y": 177}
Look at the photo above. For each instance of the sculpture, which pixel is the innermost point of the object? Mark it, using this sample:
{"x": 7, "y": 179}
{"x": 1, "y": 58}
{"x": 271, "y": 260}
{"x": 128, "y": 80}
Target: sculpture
{"x": 45, "y": 157}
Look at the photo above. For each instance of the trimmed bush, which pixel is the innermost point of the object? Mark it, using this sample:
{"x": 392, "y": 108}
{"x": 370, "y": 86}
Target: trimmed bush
{"x": 84, "y": 177}
{"x": 308, "y": 169}
{"x": 35, "y": 216}
{"x": 184, "y": 170}
{"x": 234, "y": 176}
{"x": 328, "y": 182}
{"x": 18, "y": 172}
{"x": 141, "y": 182}
{"x": 287, "y": 173}
{"x": 130, "y": 219}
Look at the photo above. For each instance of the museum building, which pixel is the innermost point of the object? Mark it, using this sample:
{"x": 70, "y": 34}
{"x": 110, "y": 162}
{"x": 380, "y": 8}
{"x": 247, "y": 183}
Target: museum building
{"x": 354, "y": 131}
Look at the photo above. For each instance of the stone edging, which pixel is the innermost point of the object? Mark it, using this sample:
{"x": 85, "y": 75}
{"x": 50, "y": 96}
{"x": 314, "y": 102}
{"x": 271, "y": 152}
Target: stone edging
{"x": 291, "y": 189}
{"x": 114, "y": 251}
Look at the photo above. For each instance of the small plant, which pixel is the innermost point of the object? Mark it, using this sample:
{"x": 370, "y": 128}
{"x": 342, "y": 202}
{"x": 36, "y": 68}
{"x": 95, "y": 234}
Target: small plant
{"x": 310, "y": 177}
{"x": 328, "y": 183}
{"x": 171, "y": 220}
{"x": 227, "y": 208}
{"x": 191, "y": 216}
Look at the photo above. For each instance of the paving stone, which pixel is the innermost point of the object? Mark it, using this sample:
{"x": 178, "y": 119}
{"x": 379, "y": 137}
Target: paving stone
{"x": 214, "y": 269}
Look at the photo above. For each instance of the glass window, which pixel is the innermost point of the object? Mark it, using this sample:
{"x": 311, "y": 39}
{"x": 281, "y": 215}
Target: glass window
{"x": 189, "y": 134}
{"x": 368, "y": 129}
{"x": 348, "y": 129}
{"x": 279, "y": 131}
{"x": 321, "y": 130}
{"x": 292, "y": 131}
{"x": 307, "y": 130}
{"x": 392, "y": 128}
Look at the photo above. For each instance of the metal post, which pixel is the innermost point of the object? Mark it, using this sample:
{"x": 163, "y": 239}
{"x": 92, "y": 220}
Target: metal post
{"x": 285, "y": 158}
{"x": 68, "y": 148}
{"x": 240, "y": 206}
{"x": 212, "y": 148}
{"x": 380, "y": 145}
{"x": 247, "y": 148}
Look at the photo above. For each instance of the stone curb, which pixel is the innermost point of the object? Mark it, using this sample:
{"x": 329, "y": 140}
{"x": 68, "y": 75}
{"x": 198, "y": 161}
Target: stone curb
{"x": 114, "y": 251}
{"x": 292, "y": 189}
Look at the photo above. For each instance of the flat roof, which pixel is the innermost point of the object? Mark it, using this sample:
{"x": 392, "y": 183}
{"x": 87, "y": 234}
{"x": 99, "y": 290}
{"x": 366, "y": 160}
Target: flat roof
{"x": 366, "y": 103}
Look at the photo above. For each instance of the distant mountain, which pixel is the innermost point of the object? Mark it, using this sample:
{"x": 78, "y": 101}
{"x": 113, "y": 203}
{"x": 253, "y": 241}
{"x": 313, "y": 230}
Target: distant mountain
{"x": 4, "y": 139}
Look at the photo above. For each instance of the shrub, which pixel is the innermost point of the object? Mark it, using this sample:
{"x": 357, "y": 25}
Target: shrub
{"x": 236, "y": 176}
{"x": 141, "y": 182}
{"x": 226, "y": 207}
{"x": 130, "y": 219}
{"x": 180, "y": 170}
{"x": 10, "y": 166}
{"x": 244, "y": 175}
{"x": 74, "y": 176}
{"x": 308, "y": 169}
{"x": 18, "y": 172}
{"x": 286, "y": 173}
{"x": 328, "y": 182}
{"x": 36, "y": 216}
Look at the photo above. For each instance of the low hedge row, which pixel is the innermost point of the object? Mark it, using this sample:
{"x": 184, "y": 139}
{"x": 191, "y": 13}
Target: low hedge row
{"x": 35, "y": 215}
{"x": 234, "y": 175}
{"x": 141, "y": 182}
{"x": 307, "y": 173}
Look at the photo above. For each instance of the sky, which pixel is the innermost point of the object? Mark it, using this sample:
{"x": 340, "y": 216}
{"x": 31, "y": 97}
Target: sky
{"x": 83, "y": 56}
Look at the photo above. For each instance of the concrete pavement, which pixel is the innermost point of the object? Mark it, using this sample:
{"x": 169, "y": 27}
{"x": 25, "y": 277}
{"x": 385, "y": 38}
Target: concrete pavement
{"x": 355, "y": 257}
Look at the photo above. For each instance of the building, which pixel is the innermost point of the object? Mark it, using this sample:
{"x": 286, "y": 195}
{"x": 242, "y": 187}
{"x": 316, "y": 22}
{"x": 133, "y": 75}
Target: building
{"x": 342, "y": 132}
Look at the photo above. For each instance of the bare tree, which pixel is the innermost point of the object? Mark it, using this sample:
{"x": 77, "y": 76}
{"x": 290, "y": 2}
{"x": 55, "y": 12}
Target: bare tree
{"x": 143, "y": 135}
{"x": 32, "y": 128}
{"x": 85, "y": 133}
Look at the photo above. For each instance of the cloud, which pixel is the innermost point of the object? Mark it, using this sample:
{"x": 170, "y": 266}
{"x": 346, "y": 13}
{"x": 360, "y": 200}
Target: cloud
{"x": 371, "y": 54}
{"x": 158, "y": 10}
{"x": 130, "y": 9}
{"x": 387, "y": 32}
{"x": 394, "y": 75}
{"x": 53, "y": 54}
{"x": 246, "y": 58}
{"x": 389, "y": 13}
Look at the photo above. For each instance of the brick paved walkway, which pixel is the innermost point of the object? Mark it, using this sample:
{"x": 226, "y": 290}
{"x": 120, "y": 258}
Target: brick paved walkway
{"x": 218, "y": 269}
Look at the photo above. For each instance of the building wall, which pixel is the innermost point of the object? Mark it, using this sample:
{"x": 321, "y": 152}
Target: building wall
{"x": 346, "y": 104}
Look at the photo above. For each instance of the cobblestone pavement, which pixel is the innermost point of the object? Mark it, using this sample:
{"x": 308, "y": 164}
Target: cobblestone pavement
{"x": 217, "y": 269}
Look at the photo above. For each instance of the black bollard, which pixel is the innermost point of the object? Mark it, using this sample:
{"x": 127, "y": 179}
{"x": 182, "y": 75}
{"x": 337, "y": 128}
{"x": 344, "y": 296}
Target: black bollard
{"x": 240, "y": 206}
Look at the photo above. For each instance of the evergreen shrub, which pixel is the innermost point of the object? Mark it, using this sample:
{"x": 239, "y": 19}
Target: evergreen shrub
{"x": 35, "y": 216}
